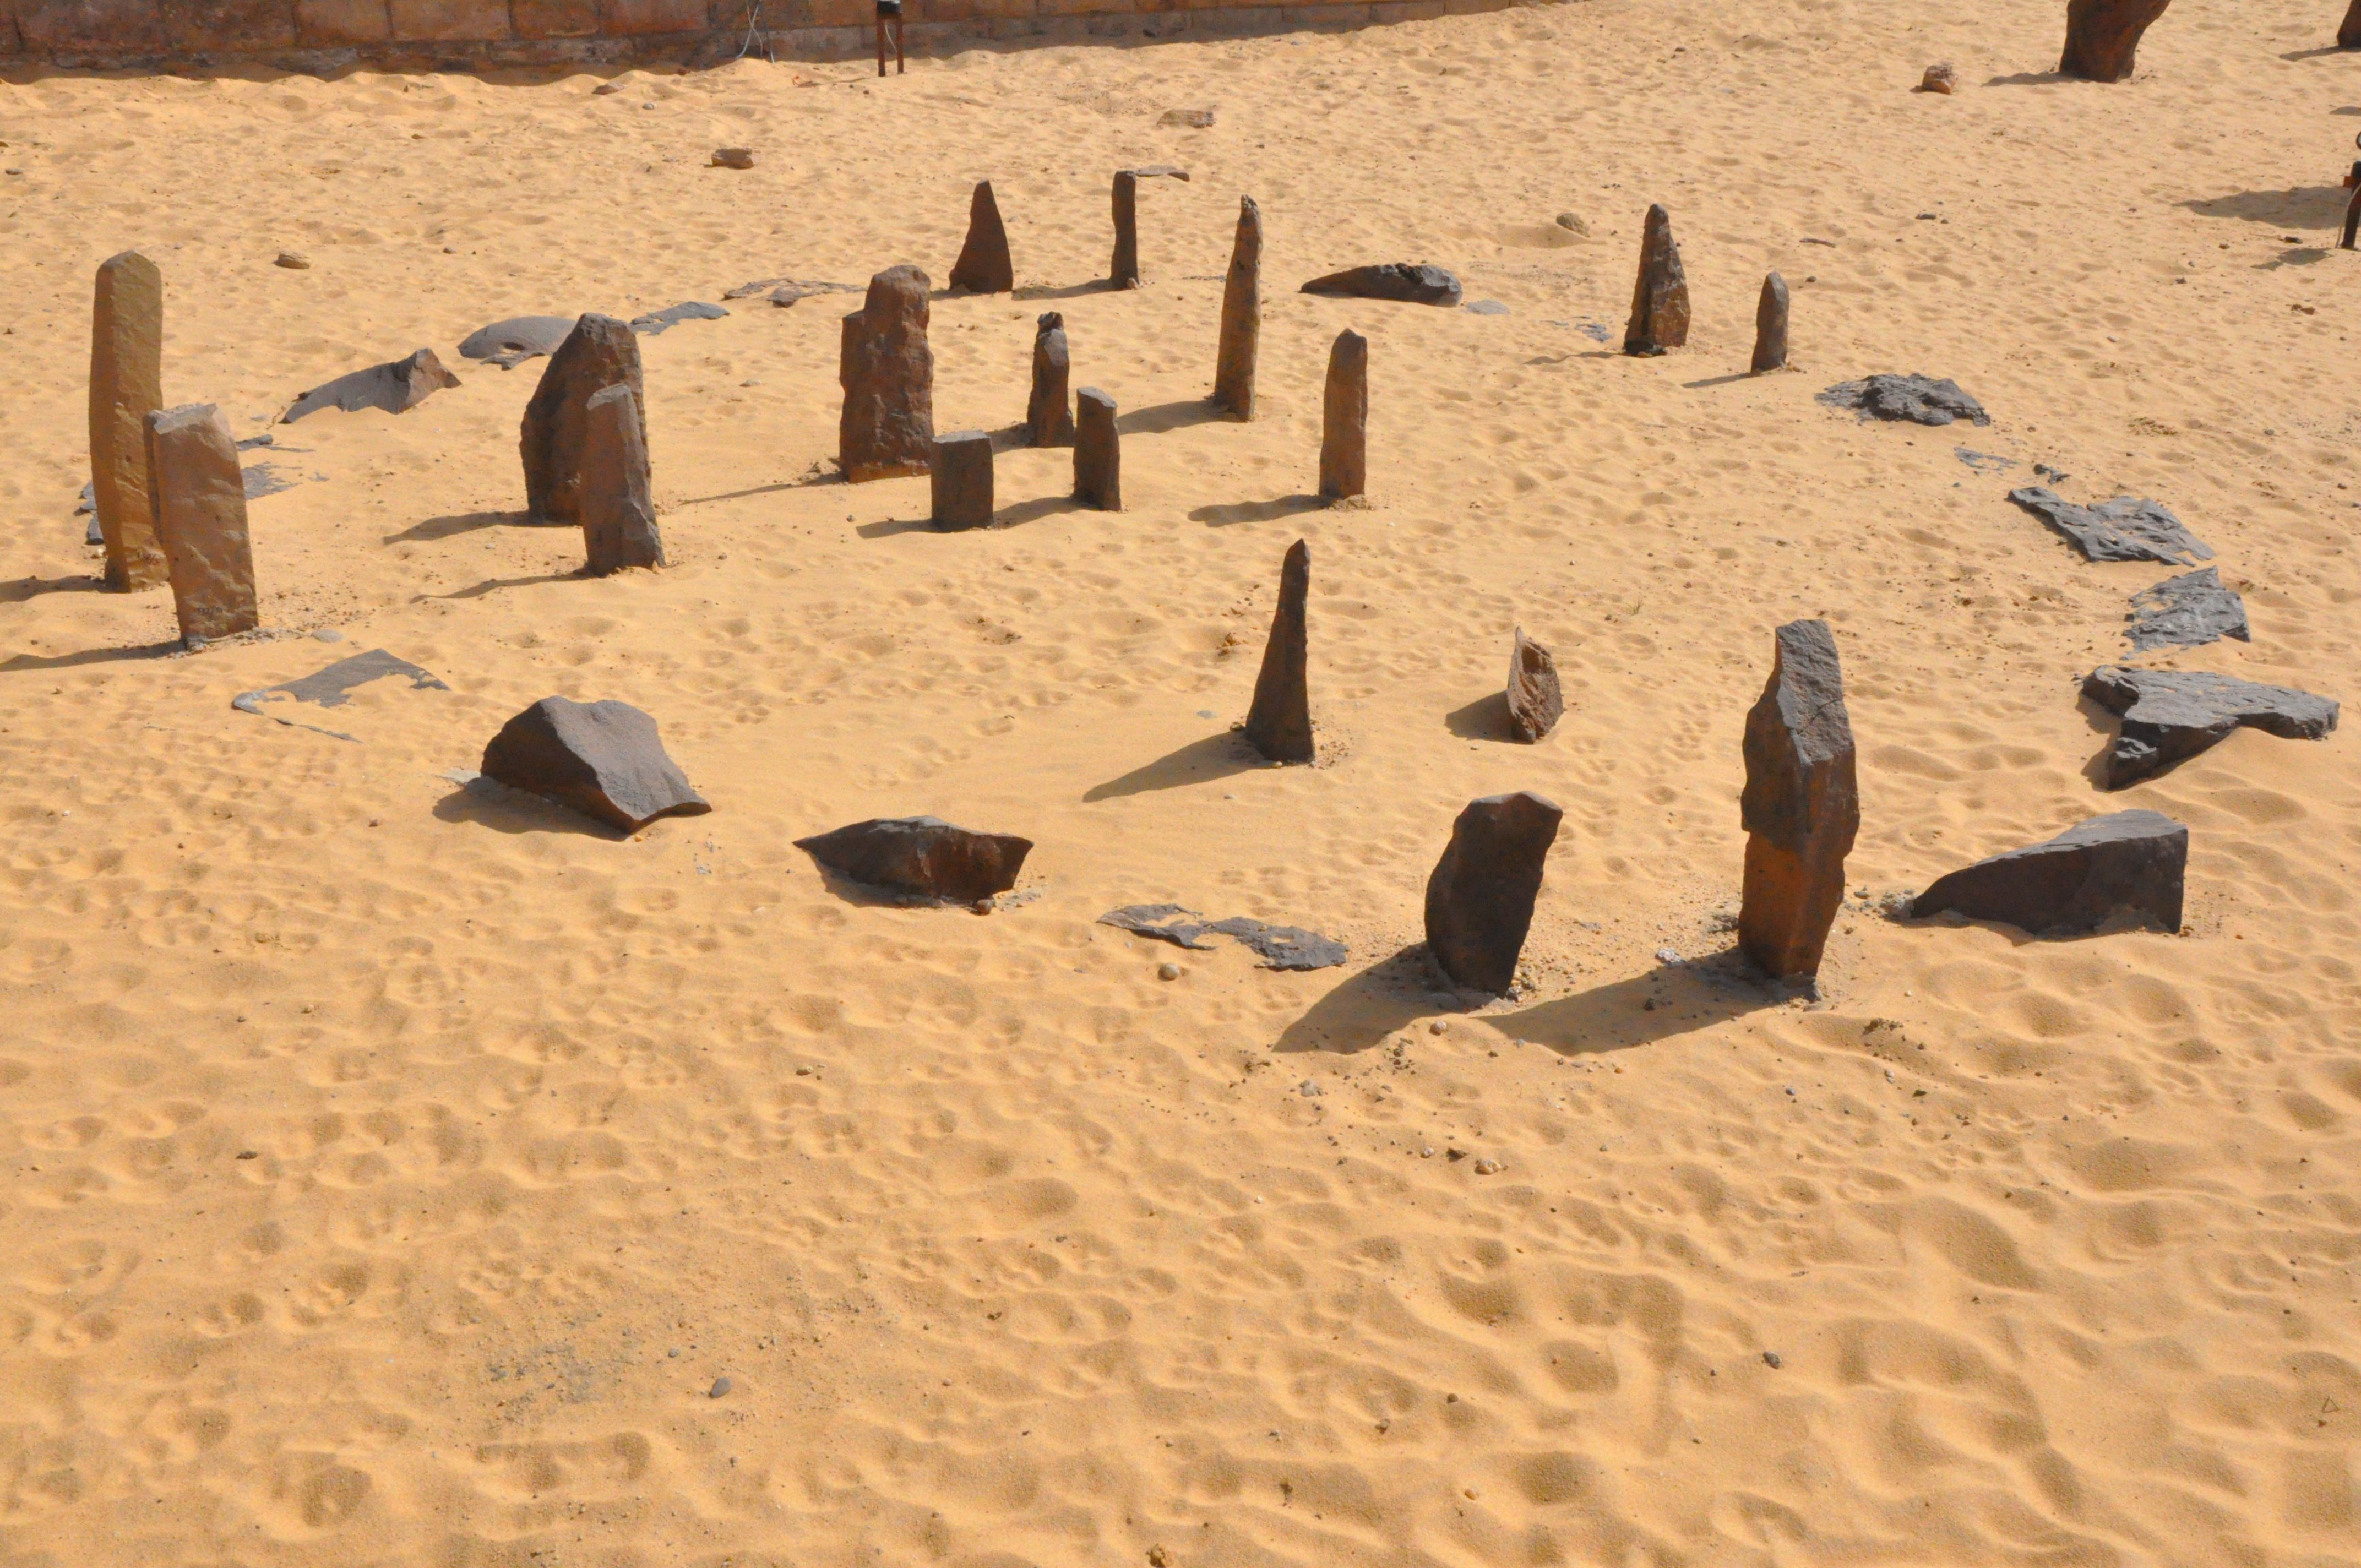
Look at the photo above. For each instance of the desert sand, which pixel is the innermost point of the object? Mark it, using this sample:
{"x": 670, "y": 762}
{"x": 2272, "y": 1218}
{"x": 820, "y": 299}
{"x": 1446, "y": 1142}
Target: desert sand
{"x": 394, "y": 1168}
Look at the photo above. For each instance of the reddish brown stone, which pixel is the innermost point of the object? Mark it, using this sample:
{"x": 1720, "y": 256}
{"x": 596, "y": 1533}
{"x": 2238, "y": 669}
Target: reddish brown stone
{"x": 961, "y": 487}
{"x": 555, "y": 19}
{"x": 1048, "y": 419}
{"x": 1801, "y": 806}
{"x": 1123, "y": 270}
{"x": 1345, "y": 419}
{"x": 1660, "y": 304}
{"x": 1770, "y": 326}
{"x": 322, "y": 24}
{"x": 1098, "y": 452}
{"x": 127, "y": 385}
{"x": 601, "y": 352}
{"x": 1479, "y": 901}
{"x": 248, "y": 26}
{"x": 2102, "y": 36}
{"x": 2348, "y": 36}
{"x": 1535, "y": 700}
{"x": 115, "y": 27}
{"x": 197, "y": 498}
{"x": 1279, "y": 724}
{"x": 888, "y": 375}
{"x": 1233, "y": 365}
{"x": 617, "y": 494}
{"x": 605, "y": 760}
{"x": 983, "y": 266}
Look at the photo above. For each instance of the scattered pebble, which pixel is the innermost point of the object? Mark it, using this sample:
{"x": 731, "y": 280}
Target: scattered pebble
{"x": 1437, "y": 1027}
{"x": 1309, "y": 1088}
{"x": 733, "y": 157}
{"x": 1488, "y": 1166}
{"x": 1572, "y": 225}
{"x": 1943, "y": 78}
{"x": 294, "y": 261}
{"x": 1771, "y": 1358}
{"x": 1167, "y": 971}
{"x": 720, "y": 1386}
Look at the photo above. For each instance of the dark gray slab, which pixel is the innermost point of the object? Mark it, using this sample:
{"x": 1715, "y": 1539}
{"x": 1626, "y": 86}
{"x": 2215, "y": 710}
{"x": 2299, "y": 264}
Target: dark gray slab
{"x": 2132, "y": 862}
{"x": 2121, "y": 530}
{"x": 658, "y": 321}
{"x": 2187, "y": 611}
{"x": 511, "y": 343}
{"x": 2170, "y": 715}
{"x": 1921, "y": 400}
{"x": 1405, "y": 282}
{"x": 1280, "y": 947}
{"x": 922, "y": 855}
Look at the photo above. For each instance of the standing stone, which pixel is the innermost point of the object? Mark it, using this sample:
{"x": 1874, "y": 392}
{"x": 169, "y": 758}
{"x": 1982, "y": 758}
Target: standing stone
{"x": 1535, "y": 701}
{"x": 1098, "y": 452}
{"x": 1770, "y": 326}
{"x": 2348, "y": 36}
{"x": 1660, "y": 304}
{"x": 197, "y": 509}
{"x": 617, "y": 495}
{"x": 983, "y": 266}
{"x": 1801, "y": 806}
{"x": 888, "y": 375}
{"x": 1124, "y": 271}
{"x": 1345, "y": 419}
{"x": 1047, "y": 417}
{"x": 963, "y": 483}
{"x": 1479, "y": 902}
{"x": 1233, "y": 365}
{"x": 127, "y": 385}
{"x": 1280, "y": 723}
{"x": 2102, "y": 36}
{"x": 601, "y": 352}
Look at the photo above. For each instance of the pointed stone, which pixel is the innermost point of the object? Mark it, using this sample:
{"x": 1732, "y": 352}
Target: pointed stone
{"x": 1801, "y": 806}
{"x": 197, "y": 509}
{"x": 2133, "y": 862}
{"x": 1479, "y": 902}
{"x": 1660, "y": 304}
{"x": 1047, "y": 417}
{"x": 1234, "y": 368}
{"x": 397, "y": 387}
{"x": 2348, "y": 34}
{"x": 127, "y": 385}
{"x": 603, "y": 759}
{"x": 983, "y": 266}
{"x": 1279, "y": 724}
{"x": 888, "y": 375}
{"x": 1123, "y": 270}
{"x": 1098, "y": 452}
{"x": 1770, "y": 326}
{"x": 618, "y": 499}
{"x": 1345, "y": 419}
{"x": 962, "y": 481}
{"x": 601, "y": 352}
{"x": 2102, "y": 36}
{"x": 924, "y": 855}
{"x": 1535, "y": 701}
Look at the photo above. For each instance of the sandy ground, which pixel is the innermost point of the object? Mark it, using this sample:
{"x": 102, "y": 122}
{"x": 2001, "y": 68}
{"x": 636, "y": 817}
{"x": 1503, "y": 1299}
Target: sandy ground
{"x": 393, "y": 1168}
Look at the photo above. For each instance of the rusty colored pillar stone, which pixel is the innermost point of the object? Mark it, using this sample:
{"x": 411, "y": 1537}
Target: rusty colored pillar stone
{"x": 197, "y": 497}
{"x": 617, "y": 494}
{"x": 1660, "y": 304}
{"x": 1770, "y": 326}
{"x": 1098, "y": 452}
{"x": 888, "y": 375}
{"x": 127, "y": 385}
{"x": 1801, "y": 806}
{"x": 1345, "y": 419}
{"x": 2102, "y": 36}
{"x": 1233, "y": 365}
{"x": 983, "y": 266}
{"x": 1280, "y": 723}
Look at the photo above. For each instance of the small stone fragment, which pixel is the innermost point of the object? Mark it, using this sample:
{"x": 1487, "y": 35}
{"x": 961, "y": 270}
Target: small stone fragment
{"x": 657, "y": 323}
{"x": 983, "y": 265}
{"x": 617, "y": 495}
{"x": 2120, "y": 530}
{"x": 1198, "y": 119}
{"x": 1048, "y": 419}
{"x": 197, "y": 507}
{"x": 1280, "y": 723}
{"x": 1943, "y": 78}
{"x": 720, "y": 1386}
{"x": 1123, "y": 269}
{"x": 888, "y": 375}
{"x": 2102, "y": 36}
{"x": 397, "y": 387}
{"x": 1918, "y": 399}
{"x": 2172, "y": 714}
{"x": 1098, "y": 452}
{"x": 601, "y": 352}
{"x": 962, "y": 481}
{"x": 733, "y": 157}
{"x": 1770, "y": 326}
{"x": 512, "y": 342}
{"x": 2131, "y": 862}
{"x": 1480, "y": 900}
{"x": 1660, "y": 301}
{"x": 294, "y": 261}
{"x": 1400, "y": 281}
{"x": 1571, "y": 222}
{"x": 604, "y": 760}
{"x": 1345, "y": 419}
{"x": 1165, "y": 922}
{"x": 1167, "y": 971}
{"x": 2187, "y": 611}
{"x": 127, "y": 385}
{"x": 1801, "y": 806}
{"x": 1234, "y": 367}
{"x": 923, "y": 855}
{"x": 1283, "y": 946}
{"x": 1535, "y": 701}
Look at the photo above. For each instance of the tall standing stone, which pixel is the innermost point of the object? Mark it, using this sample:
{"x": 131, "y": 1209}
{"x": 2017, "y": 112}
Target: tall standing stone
{"x": 1660, "y": 304}
{"x": 962, "y": 481}
{"x": 1770, "y": 326}
{"x": 617, "y": 495}
{"x": 1345, "y": 419}
{"x": 2102, "y": 36}
{"x": 888, "y": 375}
{"x": 1536, "y": 701}
{"x": 197, "y": 509}
{"x": 2348, "y": 34}
{"x": 1801, "y": 806}
{"x": 1048, "y": 419}
{"x": 1479, "y": 902}
{"x": 983, "y": 266}
{"x": 599, "y": 353}
{"x": 1279, "y": 724}
{"x": 1123, "y": 270}
{"x": 127, "y": 385}
{"x": 1098, "y": 452}
{"x": 1233, "y": 365}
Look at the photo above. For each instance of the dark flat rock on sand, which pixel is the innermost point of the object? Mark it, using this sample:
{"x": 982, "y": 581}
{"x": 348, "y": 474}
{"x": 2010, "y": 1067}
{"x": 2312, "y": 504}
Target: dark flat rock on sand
{"x": 656, "y": 323}
{"x": 2120, "y": 530}
{"x": 2187, "y": 611}
{"x": 2132, "y": 862}
{"x": 511, "y": 343}
{"x": 2170, "y": 715}
{"x": 1280, "y": 947}
{"x": 923, "y": 855}
{"x": 787, "y": 291}
{"x": 1918, "y": 399}
{"x": 397, "y": 387}
{"x": 603, "y": 759}
{"x": 1399, "y": 280}
{"x": 333, "y": 687}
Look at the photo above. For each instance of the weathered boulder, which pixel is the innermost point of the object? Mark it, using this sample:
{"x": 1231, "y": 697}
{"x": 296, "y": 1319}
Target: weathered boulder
{"x": 1048, "y": 419}
{"x": 2132, "y": 862}
{"x": 511, "y": 343}
{"x": 617, "y": 495}
{"x": 962, "y": 481}
{"x": 197, "y": 509}
{"x": 2102, "y": 36}
{"x": 1098, "y": 452}
{"x": 397, "y": 387}
{"x": 1770, "y": 326}
{"x": 923, "y": 855}
{"x": 888, "y": 375}
{"x": 1660, "y": 301}
{"x": 2172, "y": 714}
{"x": 601, "y": 352}
{"x": 1479, "y": 901}
{"x": 983, "y": 266}
{"x": 127, "y": 385}
{"x": 2120, "y": 530}
{"x": 1233, "y": 365}
{"x": 1801, "y": 806}
{"x": 2187, "y": 611}
{"x": 1123, "y": 271}
{"x": 733, "y": 158}
{"x": 1535, "y": 700}
{"x": 1921, "y": 400}
{"x": 1404, "y": 282}
{"x": 1943, "y": 78}
{"x": 603, "y": 759}
{"x": 1278, "y": 725}
{"x": 1345, "y": 419}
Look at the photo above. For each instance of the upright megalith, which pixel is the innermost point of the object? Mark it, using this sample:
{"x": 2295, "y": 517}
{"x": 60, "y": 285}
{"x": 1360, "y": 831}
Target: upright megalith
{"x": 1048, "y": 419}
{"x": 2102, "y": 36}
{"x": 983, "y": 266}
{"x": 1770, "y": 326}
{"x": 962, "y": 481}
{"x": 197, "y": 511}
{"x": 1536, "y": 701}
{"x": 888, "y": 374}
{"x": 1660, "y": 304}
{"x": 1801, "y": 806}
{"x": 1123, "y": 270}
{"x": 1279, "y": 724}
{"x": 127, "y": 385}
{"x": 617, "y": 495}
{"x": 1098, "y": 452}
{"x": 1479, "y": 902}
{"x": 1233, "y": 365}
{"x": 1345, "y": 419}
{"x": 599, "y": 353}
{"x": 2348, "y": 34}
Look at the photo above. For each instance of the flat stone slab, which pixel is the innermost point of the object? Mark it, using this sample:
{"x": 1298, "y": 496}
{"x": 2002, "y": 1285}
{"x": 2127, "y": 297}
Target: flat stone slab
{"x": 397, "y": 387}
{"x": 2132, "y": 862}
{"x": 2120, "y": 530}
{"x": 1404, "y": 282}
{"x": 786, "y": 292}
{"x": 2172, "y": 714}
{"x": 922, "y": 855}
{"x": 603, "y": 759}
{"x": 2187, "y": 611}
{"x": 511, "y": 343}
{"x": 656, "y": 323}
{"x": 332, "y": 688}
{"x": 1921, "y": 400}
{"x": 1280, "y": 947}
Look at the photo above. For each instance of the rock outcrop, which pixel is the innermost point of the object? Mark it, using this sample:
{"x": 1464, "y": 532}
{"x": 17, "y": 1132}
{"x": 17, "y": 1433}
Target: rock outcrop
{"x": 1233, "y": 365}
{"x": 197, "y": 509}
{"x": 1660, "y": 301}
{"x": 599, "y": 353}
{"x": 923, "y": 855}
{"x": 618, "y": 493}
{"x": 887, "y": 371}
{"x": 2102, "y": 36}
{"x": 1403, "y": 282}
{"x": 397, "y": 387}
{"x": 1049, "y": 419}
{"x": 1535, "y": 700}
{"x": 604, "y": 760}
{"x": 2172, "y": 714}
{"x": 1770, "y": 326}
{"x": 1480, "y": 900}
{"x": 1098, "y": 452}
{"x": 1279, "y": 724}
{"x": 1801, "y": 806}
{"x": 2132, "y": 862}
{"x": 1345, "y": 419}
{"x": 127, "y": 385}
{"x": 962, "y": 481}
{"x": 983, "y": 266}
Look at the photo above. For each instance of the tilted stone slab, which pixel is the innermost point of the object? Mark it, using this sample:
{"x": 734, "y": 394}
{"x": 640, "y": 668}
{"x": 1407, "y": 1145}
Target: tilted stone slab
{"x": 397, "y": 387}
{"x": 1918, "y": 399}
{"x": 2170, "y": 716}
{"x": 2132, "y": 862}
{"x": 1403, "y": 282}
{"x": 2121, "y": 530}
{"x": 511, "y": 343}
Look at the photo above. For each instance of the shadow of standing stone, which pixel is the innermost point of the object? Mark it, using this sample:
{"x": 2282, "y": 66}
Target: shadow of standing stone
{"x": 1345, "y": 419}
{"x": 1098, "y": 452}
{"x": 1278, "y": 725}
{"x": 599, "y": 353}
{"x": 887, "y": 371}
{"x": 617, "y": 495}
{"x": 983, "y": 266}
{"x": 1234, "y": 367}
{"x": 1801, "y": 806}
{"x": 127, "y": 385}
{"x": 1660, "y": 302}
{"x": 1480, "y": 900}
{"x": 197, "y": 501}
